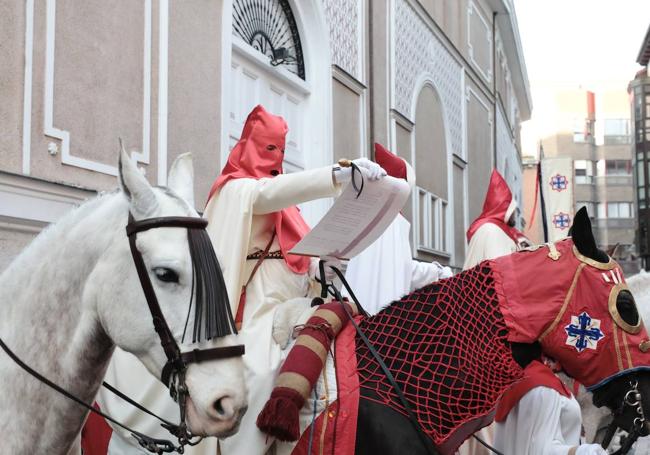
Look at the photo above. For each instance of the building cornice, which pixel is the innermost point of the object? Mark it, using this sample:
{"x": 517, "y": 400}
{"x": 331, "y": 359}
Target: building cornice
{"x": 506, "y": 18}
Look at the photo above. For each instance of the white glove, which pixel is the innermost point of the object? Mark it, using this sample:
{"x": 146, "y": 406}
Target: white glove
{"x": 370, "y": 170}
{"x": 314, "y": 271}
{"x": 590, "y": 449}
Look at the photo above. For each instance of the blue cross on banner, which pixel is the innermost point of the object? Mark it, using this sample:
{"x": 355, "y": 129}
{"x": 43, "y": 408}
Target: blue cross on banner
{"x": 583, "y": 332}
{"x": 559, "y": 182}
{"x": 561, "y": 220}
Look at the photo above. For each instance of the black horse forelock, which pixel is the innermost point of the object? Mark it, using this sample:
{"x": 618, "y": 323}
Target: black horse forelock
{"x": 212, "y": 315}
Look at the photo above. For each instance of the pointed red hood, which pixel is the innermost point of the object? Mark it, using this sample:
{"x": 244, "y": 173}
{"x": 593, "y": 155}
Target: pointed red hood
{"x": 259, "y": 154}
{"x": 392, "y": 164}
{"x": 497, "y": 209}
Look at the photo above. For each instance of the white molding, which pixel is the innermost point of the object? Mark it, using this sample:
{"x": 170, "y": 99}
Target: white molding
{"x": 64, "y": 136}
{"x": 469, "y": 92}
{"x": 34, "y": 200}
{"x": 144, "y": 156}
{"x": 490, "y": 71}
{"x": 226, "y": 83}
{"x": 163, "y": 88}
{"x": 27, "y": 88}
{"x": 348, "y": 80}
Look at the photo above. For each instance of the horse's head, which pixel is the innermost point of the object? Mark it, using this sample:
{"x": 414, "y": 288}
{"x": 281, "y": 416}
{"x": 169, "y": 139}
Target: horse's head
{"x": 182, "y": 283}
{"x": 571, "y": 299}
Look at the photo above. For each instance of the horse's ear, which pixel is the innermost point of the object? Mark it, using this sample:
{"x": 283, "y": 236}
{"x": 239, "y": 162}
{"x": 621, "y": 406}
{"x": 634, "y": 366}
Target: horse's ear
{"x": 583, "y": 237}
{"x": 181, "y": 177}
{"x": 136, "y": 188}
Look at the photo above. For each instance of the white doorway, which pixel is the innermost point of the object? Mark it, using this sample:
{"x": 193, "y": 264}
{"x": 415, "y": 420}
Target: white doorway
{"x": 294, "y": 82}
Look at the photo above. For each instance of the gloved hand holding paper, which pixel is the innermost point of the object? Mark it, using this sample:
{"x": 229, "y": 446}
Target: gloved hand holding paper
{"x": 353, "y": 224}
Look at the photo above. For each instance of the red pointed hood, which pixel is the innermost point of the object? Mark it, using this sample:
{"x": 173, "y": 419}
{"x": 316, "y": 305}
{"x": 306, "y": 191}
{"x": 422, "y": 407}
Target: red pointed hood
{"x": 394, "y": 165}
{"x": 259, "y": 154}
{"x": 497, "y": 208}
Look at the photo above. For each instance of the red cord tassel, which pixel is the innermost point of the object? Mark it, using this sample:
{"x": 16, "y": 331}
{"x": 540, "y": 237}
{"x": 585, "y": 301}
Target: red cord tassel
{"x": 280, "y": 417}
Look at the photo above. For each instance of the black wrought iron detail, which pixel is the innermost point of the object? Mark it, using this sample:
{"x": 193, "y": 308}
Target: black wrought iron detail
{"x": 270, "y": 28}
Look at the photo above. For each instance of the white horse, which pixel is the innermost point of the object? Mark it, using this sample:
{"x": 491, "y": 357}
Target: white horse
{"x": 73, "y": 294}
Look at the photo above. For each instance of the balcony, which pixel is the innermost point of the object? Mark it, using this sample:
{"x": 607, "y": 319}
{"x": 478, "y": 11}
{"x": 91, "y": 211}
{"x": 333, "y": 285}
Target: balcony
{"x": 615, "y": 223}
{"x": 613, "y": 180}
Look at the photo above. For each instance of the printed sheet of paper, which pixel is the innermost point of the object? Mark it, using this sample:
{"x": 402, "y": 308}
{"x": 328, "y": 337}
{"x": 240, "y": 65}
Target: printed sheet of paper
{"x": 353, "y": 224}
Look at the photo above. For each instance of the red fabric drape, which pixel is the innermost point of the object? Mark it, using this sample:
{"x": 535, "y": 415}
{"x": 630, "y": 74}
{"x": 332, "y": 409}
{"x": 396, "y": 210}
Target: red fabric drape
{"x": 259, "y": 154}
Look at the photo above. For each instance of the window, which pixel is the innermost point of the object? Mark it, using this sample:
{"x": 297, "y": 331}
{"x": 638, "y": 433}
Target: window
{"x": 270, "y": 28}
{"x": 640, "y": 174}
{"x": 584, "y": 170}
{"x": 617, "y": 131}
{"x": 641, "y": 198}
{"x": 619, "y": 210}
{"x": 618, "y": 167}
{"x": 432, "y": 222}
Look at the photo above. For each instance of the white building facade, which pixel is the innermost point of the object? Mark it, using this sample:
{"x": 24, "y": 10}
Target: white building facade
{"x": 440, "y": 82}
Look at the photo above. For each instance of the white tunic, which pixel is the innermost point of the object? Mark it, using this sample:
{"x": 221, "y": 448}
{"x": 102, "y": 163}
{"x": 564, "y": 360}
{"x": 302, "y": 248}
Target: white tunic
{"x": 544, "y": 422}
{"x": 488, "y": 242}
{"x": 385, "y": 271}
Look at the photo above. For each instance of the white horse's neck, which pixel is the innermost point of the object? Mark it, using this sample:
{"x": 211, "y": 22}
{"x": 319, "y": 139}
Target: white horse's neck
{"x": 46, "y": 321}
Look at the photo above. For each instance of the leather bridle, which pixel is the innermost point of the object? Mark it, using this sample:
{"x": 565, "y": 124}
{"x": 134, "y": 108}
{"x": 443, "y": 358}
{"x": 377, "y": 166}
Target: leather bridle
{"x": 631, "y": 399}
{"x": 173, "y": 372}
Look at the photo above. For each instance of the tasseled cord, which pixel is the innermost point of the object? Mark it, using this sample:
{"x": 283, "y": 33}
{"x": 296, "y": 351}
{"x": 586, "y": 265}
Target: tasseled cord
{"x": 212, "y": 314}
{"x": 280, "y": 416}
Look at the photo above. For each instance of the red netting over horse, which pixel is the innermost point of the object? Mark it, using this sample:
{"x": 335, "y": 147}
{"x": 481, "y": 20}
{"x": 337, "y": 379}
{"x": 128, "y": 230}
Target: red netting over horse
{"x": 446, "y": 345}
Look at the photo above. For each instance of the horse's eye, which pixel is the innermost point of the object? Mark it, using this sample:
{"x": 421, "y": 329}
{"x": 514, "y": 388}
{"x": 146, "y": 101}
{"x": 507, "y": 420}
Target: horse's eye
{"x": 166, "y": 275}
{"x": 271, "y": 147}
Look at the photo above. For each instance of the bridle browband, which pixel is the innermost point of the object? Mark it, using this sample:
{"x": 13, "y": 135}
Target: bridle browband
{"x": 173, "y": 372}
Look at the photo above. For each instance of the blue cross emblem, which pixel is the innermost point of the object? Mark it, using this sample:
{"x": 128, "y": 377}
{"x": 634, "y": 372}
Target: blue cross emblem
{"x": 561, "y": 220}
{"x": 583, "y": 332}
{"x": 559, "y": 182}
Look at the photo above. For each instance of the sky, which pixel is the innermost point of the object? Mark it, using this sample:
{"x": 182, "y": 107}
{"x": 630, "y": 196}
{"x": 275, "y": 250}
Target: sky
{"x": 577, "y": 43}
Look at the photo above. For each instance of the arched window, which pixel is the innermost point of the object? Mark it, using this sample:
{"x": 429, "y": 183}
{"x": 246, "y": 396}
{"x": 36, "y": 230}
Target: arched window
{"x": 270, "y": 28}
{"x": 431, "y": 174}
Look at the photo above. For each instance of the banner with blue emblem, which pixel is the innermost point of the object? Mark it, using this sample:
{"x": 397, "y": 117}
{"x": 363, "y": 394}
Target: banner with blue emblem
{"x": 557, "y": 186}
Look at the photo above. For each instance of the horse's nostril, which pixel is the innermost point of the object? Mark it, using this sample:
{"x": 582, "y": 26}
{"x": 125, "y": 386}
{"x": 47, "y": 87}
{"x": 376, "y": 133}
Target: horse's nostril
{"x": 225, "y": 407}
{"x": 218, "y": 406}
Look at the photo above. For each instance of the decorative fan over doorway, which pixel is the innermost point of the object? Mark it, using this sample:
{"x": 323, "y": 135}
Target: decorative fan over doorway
{"x": 270, "y": 28}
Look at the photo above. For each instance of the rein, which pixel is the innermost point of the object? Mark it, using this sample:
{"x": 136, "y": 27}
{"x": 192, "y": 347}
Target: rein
{"x": 173, "y": 372}
{"x": 632, "y": 399}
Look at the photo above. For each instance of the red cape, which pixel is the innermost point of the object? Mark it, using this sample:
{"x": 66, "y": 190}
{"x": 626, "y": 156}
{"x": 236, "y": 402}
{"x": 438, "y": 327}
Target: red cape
{"x": 536, "y": 374}
{"x": 259, "y": 154}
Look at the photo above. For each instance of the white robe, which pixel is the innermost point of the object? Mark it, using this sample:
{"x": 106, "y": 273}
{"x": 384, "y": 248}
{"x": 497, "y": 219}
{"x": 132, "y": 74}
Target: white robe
{"x": 488, "y": 242}
{"x": 385, "y": 271}
{"x": 544, "y": 422}
{"x": 239, "y": 224}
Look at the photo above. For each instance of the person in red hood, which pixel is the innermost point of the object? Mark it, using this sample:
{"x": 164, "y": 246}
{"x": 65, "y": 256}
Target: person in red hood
{"x": 253, "y": 224}
{"x": 493, "y": 233}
